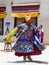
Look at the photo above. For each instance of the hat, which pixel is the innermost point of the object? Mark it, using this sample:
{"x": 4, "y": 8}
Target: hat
{"x": 27, "y": 18}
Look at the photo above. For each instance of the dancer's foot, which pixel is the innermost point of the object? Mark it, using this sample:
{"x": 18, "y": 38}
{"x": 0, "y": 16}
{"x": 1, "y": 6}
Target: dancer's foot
{"x": 29, "y": 58}
{"x": 24, "y": 57}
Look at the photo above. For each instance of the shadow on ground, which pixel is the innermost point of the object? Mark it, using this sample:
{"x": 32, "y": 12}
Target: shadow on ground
{"x": 39, "y": 62}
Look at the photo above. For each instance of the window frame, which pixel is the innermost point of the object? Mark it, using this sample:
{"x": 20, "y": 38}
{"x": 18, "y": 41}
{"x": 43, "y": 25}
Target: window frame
{"x": 15, "y": 21}
{"x": 2, "y": 32}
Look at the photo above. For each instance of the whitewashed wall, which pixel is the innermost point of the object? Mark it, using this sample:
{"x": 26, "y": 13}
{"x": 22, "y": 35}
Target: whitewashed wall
{"x": 43, "y": 18}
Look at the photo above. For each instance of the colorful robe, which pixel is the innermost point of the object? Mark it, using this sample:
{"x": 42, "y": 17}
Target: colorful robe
{"x": 28, "y": 43}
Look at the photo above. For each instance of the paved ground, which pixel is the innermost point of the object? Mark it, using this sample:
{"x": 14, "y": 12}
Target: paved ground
{"x": 8, "y": 58}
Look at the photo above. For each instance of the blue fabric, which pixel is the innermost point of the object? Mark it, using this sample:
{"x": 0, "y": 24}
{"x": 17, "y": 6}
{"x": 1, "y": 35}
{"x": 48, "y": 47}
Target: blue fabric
{"x": 7, "y": 25}
{"x": 38, "y": 44}
{"x": 23, "y": 48}
{"x": 24, "y": 40}
{"x": 24, "y": 26}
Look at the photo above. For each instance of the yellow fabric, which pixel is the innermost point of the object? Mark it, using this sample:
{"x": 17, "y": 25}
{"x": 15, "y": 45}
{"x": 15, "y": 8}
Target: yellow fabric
{"x": 3, "y": 15}
{"x": 11, "y": 34}
{"x": 8, "y": 41}
{"x": 23, "y": 15}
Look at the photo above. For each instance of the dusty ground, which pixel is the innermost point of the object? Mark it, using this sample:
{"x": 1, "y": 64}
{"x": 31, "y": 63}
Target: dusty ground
{"x": 8, "y": 58}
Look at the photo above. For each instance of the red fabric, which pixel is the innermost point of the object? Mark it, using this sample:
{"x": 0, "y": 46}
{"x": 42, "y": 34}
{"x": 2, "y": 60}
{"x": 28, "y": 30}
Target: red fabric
{"x": 28, "y": 22}
{"x": 42, "y": 42}
{"x": 42, "y": 36}
{"x": 36, "y": 52}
